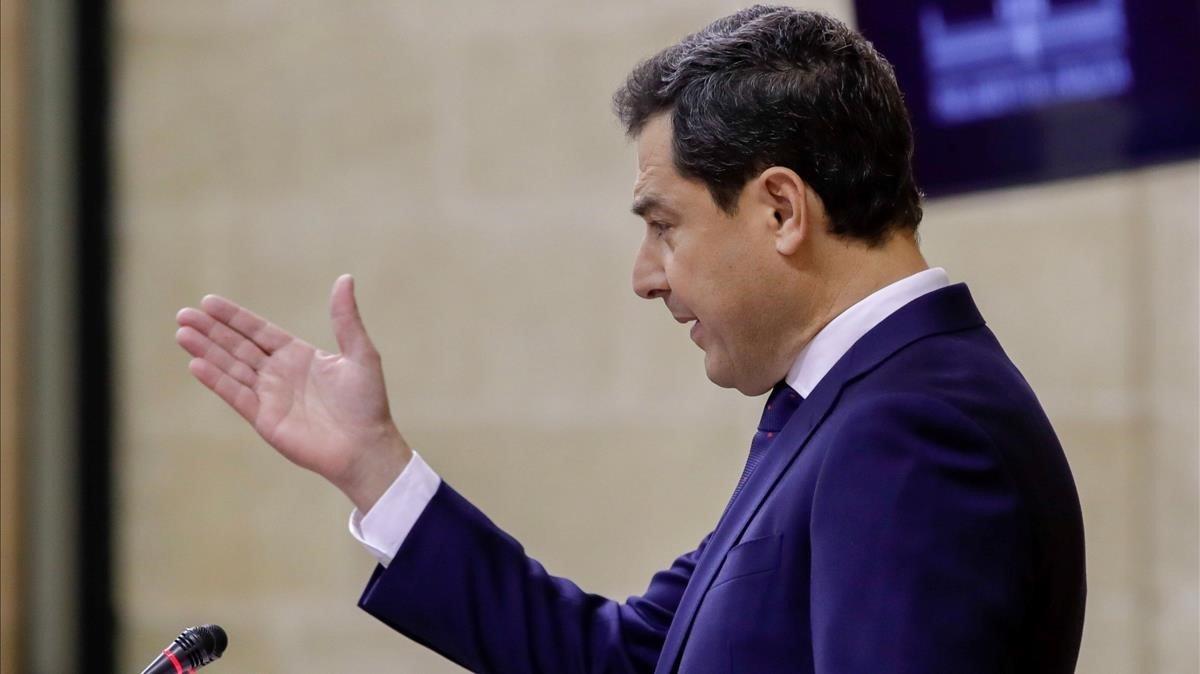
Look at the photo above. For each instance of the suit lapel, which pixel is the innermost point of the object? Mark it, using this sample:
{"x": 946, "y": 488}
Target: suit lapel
{"x": 946, "y": 310}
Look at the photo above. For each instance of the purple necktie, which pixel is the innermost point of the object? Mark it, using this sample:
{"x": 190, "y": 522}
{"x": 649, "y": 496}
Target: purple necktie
{"x": 781, "y": 404}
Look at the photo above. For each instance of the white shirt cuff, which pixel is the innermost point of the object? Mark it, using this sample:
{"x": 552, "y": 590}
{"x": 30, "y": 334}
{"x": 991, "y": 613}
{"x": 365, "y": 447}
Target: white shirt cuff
{"x": 385, "y": 526}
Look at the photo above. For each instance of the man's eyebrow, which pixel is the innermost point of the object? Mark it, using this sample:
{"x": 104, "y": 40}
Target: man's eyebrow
{"x": 649, "y": 202}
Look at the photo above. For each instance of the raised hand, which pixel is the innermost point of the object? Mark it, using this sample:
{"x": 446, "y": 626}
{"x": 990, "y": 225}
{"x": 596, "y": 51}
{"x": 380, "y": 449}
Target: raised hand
{"x": 327, "y": 412}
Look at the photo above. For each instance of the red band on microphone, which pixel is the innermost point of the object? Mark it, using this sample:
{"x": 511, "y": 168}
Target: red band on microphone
{"x": 174, "y": 661}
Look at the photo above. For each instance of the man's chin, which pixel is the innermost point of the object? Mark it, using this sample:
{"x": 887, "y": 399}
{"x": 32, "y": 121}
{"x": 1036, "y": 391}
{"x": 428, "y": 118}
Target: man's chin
{"x": 721, "y": 376}
{"x": 726, "y": 377}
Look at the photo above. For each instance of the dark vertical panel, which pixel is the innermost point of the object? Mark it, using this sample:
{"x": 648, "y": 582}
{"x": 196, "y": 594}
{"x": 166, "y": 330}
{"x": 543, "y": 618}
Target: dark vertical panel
{"x": 97, "y": 627}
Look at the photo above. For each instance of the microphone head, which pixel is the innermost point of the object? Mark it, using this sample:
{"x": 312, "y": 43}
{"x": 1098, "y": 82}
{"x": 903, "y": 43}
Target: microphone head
{"x": 202, "y": 644}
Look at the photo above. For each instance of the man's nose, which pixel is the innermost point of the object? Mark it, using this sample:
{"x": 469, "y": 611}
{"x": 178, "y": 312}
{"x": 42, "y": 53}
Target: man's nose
{"x": 649, "y": 277}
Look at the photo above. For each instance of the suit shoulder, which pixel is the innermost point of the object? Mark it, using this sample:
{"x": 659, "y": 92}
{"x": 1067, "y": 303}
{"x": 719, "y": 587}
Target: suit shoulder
{"x": 891, "y": 414}
{"x": 967, "y": 370}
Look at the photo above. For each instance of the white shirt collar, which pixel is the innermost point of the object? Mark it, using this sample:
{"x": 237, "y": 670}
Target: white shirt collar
{"x": 818, "y": 357}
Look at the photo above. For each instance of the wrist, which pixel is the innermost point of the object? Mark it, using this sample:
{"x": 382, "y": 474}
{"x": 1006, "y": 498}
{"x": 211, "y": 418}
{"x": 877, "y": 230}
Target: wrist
{"x": 375, "y": 470}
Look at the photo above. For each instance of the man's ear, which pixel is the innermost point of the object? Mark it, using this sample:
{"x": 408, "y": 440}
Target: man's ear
{"x": 786, "y": 194}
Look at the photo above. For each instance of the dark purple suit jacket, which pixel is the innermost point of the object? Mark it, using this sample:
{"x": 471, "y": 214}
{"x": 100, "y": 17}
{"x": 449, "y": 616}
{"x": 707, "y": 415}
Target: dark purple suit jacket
{"x": 916, "y": 515}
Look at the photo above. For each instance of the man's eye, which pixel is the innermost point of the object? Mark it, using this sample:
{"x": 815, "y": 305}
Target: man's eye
{"x": 659, "y": 227}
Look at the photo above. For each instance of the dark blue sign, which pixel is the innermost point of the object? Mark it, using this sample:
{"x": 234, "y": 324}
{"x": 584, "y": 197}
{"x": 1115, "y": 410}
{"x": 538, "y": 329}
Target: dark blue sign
{"x": 1013, "y": 91}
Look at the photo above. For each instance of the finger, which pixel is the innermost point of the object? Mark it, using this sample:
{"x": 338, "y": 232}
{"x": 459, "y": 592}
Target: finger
{"x": 234, "y": 342}
{"x": 348, "y": 327}
{"x": 268, "y": 336}
{"x": 200, "y": 346}
{"x": 243, "y": 400}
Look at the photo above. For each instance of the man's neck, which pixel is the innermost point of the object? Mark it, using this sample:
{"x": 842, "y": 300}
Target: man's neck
{"x": 860, "y": 271}
{"x": 848, "y": 273}
{"x": 877, "y": 272}
{"x": 819, "y": 356}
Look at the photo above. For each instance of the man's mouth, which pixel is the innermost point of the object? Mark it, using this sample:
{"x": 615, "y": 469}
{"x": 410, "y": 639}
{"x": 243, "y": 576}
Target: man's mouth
{"x": 689, "y": 319}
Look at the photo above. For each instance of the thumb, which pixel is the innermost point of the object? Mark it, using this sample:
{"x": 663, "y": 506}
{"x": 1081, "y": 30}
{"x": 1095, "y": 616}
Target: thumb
{"x": 348, "y": 327}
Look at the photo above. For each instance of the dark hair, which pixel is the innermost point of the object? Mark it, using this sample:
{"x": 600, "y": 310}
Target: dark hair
{"x": 776, "y": 86}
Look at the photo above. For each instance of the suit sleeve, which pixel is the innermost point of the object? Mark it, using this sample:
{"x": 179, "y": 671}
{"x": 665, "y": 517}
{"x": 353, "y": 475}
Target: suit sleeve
{"x": 464, "y": 588}
{"x": 920, "y": 548}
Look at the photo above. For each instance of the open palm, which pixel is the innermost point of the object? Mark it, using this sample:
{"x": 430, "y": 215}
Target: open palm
{"x": 325, "y": 412}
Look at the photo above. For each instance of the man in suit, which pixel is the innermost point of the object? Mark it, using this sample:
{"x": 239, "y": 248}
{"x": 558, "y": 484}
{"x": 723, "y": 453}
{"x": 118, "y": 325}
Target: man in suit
{"x": 905, "y": 507}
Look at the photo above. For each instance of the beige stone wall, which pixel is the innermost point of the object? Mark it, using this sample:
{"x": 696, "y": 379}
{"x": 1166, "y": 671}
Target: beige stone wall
{"x": 462, "y": 162}
{"x": 13, "y": 227}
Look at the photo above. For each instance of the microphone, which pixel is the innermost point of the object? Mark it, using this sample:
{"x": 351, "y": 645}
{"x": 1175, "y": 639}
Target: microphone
{"x": 191, "y": 650}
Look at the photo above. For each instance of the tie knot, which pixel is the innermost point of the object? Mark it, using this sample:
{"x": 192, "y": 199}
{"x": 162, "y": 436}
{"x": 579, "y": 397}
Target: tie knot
{"x": 781, "y": 404}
